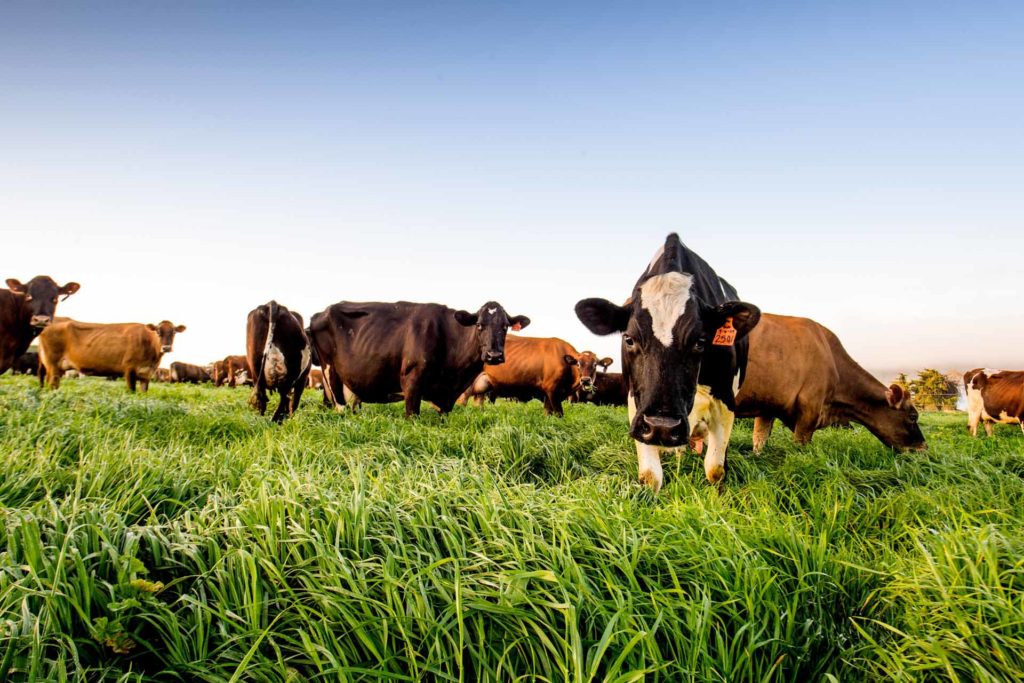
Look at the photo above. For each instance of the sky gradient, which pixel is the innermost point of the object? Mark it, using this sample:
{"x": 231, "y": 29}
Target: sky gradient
{"x": 861, "y": 164}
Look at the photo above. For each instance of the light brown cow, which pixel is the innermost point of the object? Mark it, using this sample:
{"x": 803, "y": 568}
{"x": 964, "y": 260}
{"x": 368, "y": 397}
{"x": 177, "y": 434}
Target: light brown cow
{"x": 129, "y": 350}
{"x": 549, "y": 369}
{"x": 236, "y": 371}
{"x": 799, "y": 372}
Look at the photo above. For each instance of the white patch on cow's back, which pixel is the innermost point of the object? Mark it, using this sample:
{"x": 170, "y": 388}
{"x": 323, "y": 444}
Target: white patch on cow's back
{"x": 654, "y": 259}
{"x": 664, "y": 297}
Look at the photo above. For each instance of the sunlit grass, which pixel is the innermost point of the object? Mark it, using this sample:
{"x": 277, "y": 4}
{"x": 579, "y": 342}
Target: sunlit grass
{"x": 175, "y": 535}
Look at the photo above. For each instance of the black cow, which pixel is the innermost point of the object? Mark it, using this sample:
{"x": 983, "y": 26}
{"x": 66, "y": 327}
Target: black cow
{"x": 25, "y": 309}
{"x": 681, "y": 329}
{"x": 278, "y": 353}
{"x": 382, "y": 352}
{"x": 608, "y": 389}
{"x": 188, "y": 373}
{"x": 26, "y": 364}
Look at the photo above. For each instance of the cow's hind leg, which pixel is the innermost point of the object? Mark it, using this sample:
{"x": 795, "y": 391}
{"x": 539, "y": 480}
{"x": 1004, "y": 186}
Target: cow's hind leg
{"x": 762, "y": 431}
{"x": 130, "y": 379}
{"x": 552, "y": 406}
{"x": 258, "y": 397}
{"x": 282, "y": 406}
{"x": 411, "y": 380}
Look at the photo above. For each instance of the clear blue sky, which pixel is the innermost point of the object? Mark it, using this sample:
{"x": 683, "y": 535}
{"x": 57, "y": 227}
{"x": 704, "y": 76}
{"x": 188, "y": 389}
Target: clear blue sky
{"x": 858, "y": 163}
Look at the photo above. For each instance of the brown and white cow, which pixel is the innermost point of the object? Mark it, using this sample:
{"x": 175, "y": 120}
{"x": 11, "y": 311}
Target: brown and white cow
{"x": 159, "y": 375}
{"x": 994, "y": 396}
{"x": 608, "y": 390}
{"x": 25, "y": 309}
{"x": 129, "y": 350}
{"x": 315, "y": 380}
{"x": 383, "y": 352}
{"x": 234, "y": 370}
{"x": 549, "y": 369}
{"x": 278, "y": 354}
{"x": 683, "y": 349}
{"x": 189, "y": 373}
{"x": 798, "y": 372}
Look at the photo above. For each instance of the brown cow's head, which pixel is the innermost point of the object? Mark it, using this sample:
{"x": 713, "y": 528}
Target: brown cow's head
{"x": 166, "y": 331}
{"x": 895, "y": 423}
{"x": 41, "y": 295}
{"x": 492, "y": 324}
{"x": 587, "y": 364}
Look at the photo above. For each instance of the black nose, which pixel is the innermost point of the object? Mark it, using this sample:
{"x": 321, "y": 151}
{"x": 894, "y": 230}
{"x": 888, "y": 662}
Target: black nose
{"x": 661, "y": 431}
{"x": 494, "y": 358}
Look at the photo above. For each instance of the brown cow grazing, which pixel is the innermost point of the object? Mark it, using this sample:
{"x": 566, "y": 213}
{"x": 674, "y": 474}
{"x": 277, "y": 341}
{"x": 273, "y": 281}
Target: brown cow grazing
{"x": 315, "y": 379}
{"x": 383, "y": 352}
{"x": 608, "y": 390}
{"x": 26, "y": 364}
{"x": 131, "y": 350}
{"x": 236, "y": 371}
{"x": 994, "y": 396}
{"x": 279, "y": 357}
{"x": 25, "y": 309}
{"x": 161, "y": 375}
{"x": 549, "y": 369}
{"x": 189, "y": 373}
{"x": 799, "y": 372}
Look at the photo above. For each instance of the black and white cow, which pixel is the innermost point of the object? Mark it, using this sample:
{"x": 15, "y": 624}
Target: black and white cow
{"x": 683, "y": 350}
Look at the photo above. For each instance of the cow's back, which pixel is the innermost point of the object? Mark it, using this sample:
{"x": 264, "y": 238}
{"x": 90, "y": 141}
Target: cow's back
{"x": 791, "y": 360}
{"x": 100, "y": 348}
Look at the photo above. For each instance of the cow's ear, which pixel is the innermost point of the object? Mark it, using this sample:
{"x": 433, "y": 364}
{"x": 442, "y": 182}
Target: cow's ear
{"x": 69, "y": 289}
{"x": 744, "y": 317}
{"x": 179, "y": 329}
{"x": 895, "y": 395}
{"x": 15, "y": 285}
{"x": 605, "y": 362}
{"x": 601, "y": 316}
{"x": 465, "y": 318}
{"x": 519, "y": 322}
{"x": 151, "y": 327}
{"x": 569, "y": 360}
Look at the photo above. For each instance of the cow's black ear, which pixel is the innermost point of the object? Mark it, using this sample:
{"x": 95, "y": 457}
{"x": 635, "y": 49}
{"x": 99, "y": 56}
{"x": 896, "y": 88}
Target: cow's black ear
{"x": 605, "y": 362}
{"x": 601, "y": 316}
{"x": 744, "y": 317}
{"x": 69, "y": 289}
{"x": 569, "y": 360}
{"x": 14, "y": 284}
{"x": 518, "y": 322}
{"x": 465, "y": 318}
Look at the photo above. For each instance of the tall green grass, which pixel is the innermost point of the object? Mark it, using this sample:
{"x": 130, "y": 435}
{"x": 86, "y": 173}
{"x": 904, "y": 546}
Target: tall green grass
{"x": 177, "y": 536}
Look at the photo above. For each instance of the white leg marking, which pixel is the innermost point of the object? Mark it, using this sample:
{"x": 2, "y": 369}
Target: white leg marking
{"x": 648, "y": 457}
{"x": 719, "y": 420}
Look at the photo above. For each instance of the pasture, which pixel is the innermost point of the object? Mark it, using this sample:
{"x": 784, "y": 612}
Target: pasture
{"x": 177, "y": 536}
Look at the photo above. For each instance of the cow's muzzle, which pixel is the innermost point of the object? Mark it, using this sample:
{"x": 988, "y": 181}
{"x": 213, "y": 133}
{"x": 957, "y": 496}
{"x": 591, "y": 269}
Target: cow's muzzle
{"x": 494, "y": 358}
{"x": 587, "y": 384}
{"x": 166, "y": 348}
{"x": 661, "y": 431}
{"x": 41, "y": 320}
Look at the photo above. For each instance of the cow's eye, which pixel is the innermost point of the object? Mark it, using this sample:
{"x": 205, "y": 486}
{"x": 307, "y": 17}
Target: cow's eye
{"x": 628, "y": 340}
{"x": 698, "y": 346}
{"x": 479, "y": 326}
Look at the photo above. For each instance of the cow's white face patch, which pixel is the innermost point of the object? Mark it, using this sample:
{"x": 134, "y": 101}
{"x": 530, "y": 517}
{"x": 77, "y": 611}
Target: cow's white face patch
{"x": 492, "y": 311}
{"x": 665, "y": 297}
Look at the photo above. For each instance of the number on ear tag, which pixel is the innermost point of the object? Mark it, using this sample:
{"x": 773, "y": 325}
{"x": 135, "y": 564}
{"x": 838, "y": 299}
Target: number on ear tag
{"x": 725, "y": 335}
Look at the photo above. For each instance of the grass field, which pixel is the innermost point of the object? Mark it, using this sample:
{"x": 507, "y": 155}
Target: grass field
{"x": 175, "y": 535}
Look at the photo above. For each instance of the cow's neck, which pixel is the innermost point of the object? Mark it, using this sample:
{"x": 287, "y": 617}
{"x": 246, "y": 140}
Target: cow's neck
{"x": 466, "y": 352}
{"x": 858, "y": 396}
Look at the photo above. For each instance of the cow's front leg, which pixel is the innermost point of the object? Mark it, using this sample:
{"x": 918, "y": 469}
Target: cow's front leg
{"x": 412, "y": 376}
{"x": 719, "y": 431}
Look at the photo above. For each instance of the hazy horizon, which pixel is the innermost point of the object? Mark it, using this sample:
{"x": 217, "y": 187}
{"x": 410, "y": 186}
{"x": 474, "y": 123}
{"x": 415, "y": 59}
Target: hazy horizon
{"x": 858, "y": 165}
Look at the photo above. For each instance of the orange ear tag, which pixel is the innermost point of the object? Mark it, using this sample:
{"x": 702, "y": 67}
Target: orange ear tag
{"x": 517, "y": 327}
{"x": 726, "y": 334}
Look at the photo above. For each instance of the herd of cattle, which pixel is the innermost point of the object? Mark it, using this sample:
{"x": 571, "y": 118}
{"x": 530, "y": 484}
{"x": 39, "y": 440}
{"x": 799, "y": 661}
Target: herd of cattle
{"x": 694, "y": 357}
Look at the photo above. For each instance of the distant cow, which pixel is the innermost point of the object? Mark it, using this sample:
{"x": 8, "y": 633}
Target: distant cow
{"x": 315, "y": 379}
{"x": 608, "y": 390}
{"x": 549, "y": 369}
{"x": 159, "y": 375}
{"x": 799, "y": 372}
{"x": 994, "y": 396}
{"x": 26, "y": 364}
{"x": 129, "y": 350}
{"x": 25, "y": 309}
{"x": 278, "y": 354}
{"x": 235, "y": 371}
{"x": 382, "y": 352}
{"x": 189, "y": 373}
{"x": 683, "y": 350}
